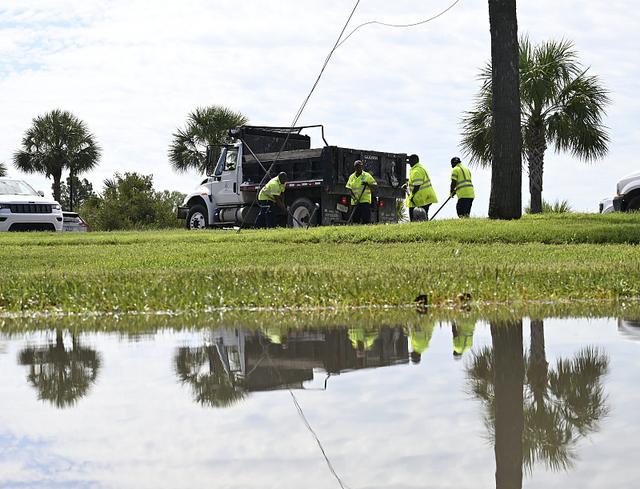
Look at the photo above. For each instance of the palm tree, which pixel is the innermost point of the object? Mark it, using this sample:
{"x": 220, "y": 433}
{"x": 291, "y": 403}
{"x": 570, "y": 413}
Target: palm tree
{"x": 57, "y": 141}
{"x": 206, "y": 127}
{"x": 3, "y": 170}
{"x": 505, "y": 201}
{"x": 562, "y": 105}
{"x": 559, "y": 406}
{"x": 211, "y": 384}
{"x": 59, "y": 375}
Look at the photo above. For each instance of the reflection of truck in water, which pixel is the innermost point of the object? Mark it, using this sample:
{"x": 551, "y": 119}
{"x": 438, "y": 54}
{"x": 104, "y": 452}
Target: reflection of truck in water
{"x": 629, "y": 328}
{"x": 236, "y": 361}
{"x": 315, "y": 190}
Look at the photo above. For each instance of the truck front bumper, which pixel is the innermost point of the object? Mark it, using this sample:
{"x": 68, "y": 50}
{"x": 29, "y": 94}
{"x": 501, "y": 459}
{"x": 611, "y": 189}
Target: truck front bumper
{"x": 182, "y": 212}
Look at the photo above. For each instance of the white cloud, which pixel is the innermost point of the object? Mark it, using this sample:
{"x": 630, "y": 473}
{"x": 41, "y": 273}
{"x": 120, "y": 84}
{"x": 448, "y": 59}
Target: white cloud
{"x": 134, "y": 69}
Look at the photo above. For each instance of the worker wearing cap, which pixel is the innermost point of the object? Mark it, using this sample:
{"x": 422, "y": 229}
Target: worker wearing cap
{"x": 462, "y": 331}
{"x": 359, "y": 185}
{"x": 462, "y": 186}
{"x": 421, "y": 192}
{"x": 271, "y": 195}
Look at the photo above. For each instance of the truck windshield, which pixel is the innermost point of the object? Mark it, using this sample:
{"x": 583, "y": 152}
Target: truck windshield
{"x": 15, "y": 187}
{"x": 227, "y": 161}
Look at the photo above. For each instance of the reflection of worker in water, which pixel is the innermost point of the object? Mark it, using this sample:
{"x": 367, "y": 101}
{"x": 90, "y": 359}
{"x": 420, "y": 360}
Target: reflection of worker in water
{"x": 462, "y": 336}
{"x": 362, "y": 340}
{"x": 420, "y": 338}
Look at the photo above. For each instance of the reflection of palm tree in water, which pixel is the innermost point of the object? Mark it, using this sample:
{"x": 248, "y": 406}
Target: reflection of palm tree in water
{"x": 211, "y": 382}
{"x": 534, "y": 413}
{"x": 61, "y": 376}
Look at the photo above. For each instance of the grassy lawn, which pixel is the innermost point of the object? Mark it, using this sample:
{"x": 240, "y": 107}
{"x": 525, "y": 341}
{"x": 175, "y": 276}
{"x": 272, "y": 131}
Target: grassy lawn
{"x": 536, "y": 258}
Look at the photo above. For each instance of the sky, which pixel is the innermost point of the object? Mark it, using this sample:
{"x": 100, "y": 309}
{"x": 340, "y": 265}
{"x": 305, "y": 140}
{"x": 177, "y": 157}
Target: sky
{"x": 133, "y": 70}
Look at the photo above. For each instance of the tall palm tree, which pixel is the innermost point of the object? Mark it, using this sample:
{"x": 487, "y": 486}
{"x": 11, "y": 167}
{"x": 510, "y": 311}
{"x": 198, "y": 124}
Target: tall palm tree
{"x": 562, "y": 105}
{"x": 559, "y": 406}
{"x": 57, "y": 141}
{"x": 206, "y": 126}
{"x": 61, "y": 376}
{"x": 505, "y": 201}
{"x": 3, "y": 170}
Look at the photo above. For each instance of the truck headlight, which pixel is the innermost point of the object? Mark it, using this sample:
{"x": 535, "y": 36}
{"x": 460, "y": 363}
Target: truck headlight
{"x": 5, "y": 206}
{"x": 56, "y": 207}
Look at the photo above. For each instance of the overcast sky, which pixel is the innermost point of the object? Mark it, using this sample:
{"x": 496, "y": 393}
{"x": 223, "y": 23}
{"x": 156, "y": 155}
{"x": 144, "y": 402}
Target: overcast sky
{"x": 134, "y": 69}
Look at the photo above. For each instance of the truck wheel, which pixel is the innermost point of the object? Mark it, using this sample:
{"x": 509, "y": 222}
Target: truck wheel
{"x": 197, "y": 217}
{"x": 303, "y": 210}
{"x": 634, "y": 205}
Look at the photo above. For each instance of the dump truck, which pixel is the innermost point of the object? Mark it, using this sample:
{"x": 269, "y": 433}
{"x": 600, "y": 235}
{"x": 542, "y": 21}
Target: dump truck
{"x": 315, "y": 192}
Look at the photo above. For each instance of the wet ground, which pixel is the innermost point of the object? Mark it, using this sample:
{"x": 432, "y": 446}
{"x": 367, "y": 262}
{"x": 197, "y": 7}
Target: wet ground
{"x": 427, "y": 404}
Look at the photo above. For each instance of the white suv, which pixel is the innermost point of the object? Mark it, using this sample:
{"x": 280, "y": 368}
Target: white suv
{"x": 24, "y": 209}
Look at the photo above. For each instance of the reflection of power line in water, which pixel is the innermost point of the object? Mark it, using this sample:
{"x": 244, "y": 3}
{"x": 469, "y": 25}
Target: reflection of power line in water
{"x": 303, "y": 417}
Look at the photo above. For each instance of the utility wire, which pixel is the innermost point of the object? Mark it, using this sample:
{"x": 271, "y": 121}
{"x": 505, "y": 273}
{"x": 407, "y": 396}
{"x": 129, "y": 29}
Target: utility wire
{"x": 376, "y": 22}
{"x": 304, "y": 104}
{"x": 265, "y": 352}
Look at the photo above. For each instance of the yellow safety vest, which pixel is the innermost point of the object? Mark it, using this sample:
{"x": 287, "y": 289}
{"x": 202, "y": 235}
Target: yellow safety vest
{"x": 356, "y": 184}
{"x": 464, "y": 186}
{"x": 464, "y": 340}
{"x": 271, "y": 190}
{"x": 421, "y": 338}
{"x": 426, "y": 195}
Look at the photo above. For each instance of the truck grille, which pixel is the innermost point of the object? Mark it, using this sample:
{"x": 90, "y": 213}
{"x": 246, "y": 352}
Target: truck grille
{"x": 30, "y": 208}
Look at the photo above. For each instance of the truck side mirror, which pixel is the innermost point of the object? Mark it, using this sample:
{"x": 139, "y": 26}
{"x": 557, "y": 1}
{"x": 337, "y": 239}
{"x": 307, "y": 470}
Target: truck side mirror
{"x": 40, "y": 193}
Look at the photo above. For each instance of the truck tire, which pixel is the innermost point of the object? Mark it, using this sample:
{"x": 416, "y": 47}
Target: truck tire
{"x": 634, "y": 205}
{"x": 303, "y": 210}
{"x": 197, "y": 217}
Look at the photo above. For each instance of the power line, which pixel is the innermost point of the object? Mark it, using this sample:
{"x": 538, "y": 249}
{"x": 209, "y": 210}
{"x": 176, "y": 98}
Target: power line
{"x": 304, "y": 103}
{"x": 265, "y": 352}
{"x": 376, "y": 22}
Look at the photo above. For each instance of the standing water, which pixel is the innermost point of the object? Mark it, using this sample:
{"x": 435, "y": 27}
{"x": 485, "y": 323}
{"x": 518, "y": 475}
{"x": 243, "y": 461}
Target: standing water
{"x": 459, "y": 403}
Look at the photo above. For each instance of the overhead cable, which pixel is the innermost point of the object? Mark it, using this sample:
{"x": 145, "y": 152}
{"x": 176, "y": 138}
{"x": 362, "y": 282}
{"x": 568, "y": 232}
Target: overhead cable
{"x": 385, "y": 24}
{"x": 304, "y": 104}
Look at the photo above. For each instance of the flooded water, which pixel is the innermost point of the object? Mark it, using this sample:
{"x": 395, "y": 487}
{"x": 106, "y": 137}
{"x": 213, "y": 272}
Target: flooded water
{"x": 418, "y": 404}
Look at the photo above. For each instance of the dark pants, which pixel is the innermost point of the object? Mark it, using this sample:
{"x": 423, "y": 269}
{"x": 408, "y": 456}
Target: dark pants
{"x": 464, "y": 207}
{"x": 426, "y": 210}
{"x": 362, "y": 213}
{"x": 265, "y": 216}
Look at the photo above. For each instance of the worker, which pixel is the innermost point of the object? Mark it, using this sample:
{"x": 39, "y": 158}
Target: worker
{"x": 421, "y": 192}
{"x": 270, "y": 196}
{"x": 462, "y": 331}
{"x": 359, "y": 185}
{"x": 462, "y": 186}
{"x": 420, "y": 339}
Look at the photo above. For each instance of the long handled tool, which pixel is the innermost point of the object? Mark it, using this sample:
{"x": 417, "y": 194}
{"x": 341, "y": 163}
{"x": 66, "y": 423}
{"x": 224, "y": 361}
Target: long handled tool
{"x": 445, "y": 203}
{"x": 364, "y": 187}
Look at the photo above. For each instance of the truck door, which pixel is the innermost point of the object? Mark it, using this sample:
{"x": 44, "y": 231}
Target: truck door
{"x": 224, "y": 187}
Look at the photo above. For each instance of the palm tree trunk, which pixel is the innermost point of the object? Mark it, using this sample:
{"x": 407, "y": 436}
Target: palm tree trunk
{"x": 538, "y": 366}
{"x": 57, "y": 177}
{"x": 535, "y": 154}
{"x": 508, "y": 384}
{"x": 506, "y": 170}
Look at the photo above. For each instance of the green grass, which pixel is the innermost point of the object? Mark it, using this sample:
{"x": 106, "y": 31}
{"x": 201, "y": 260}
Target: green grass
{"x": 563, "y": 257}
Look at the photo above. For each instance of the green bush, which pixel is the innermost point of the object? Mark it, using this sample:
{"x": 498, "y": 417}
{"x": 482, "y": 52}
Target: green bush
{"x": 558, "y": 207}
{"x": 130, "y": 202}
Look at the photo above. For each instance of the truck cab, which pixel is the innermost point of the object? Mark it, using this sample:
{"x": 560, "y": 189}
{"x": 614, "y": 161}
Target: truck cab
{"x": 628, "y": 193}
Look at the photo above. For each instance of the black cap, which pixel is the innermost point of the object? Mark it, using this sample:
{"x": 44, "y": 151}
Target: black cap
{"x": 455, "y": 160}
